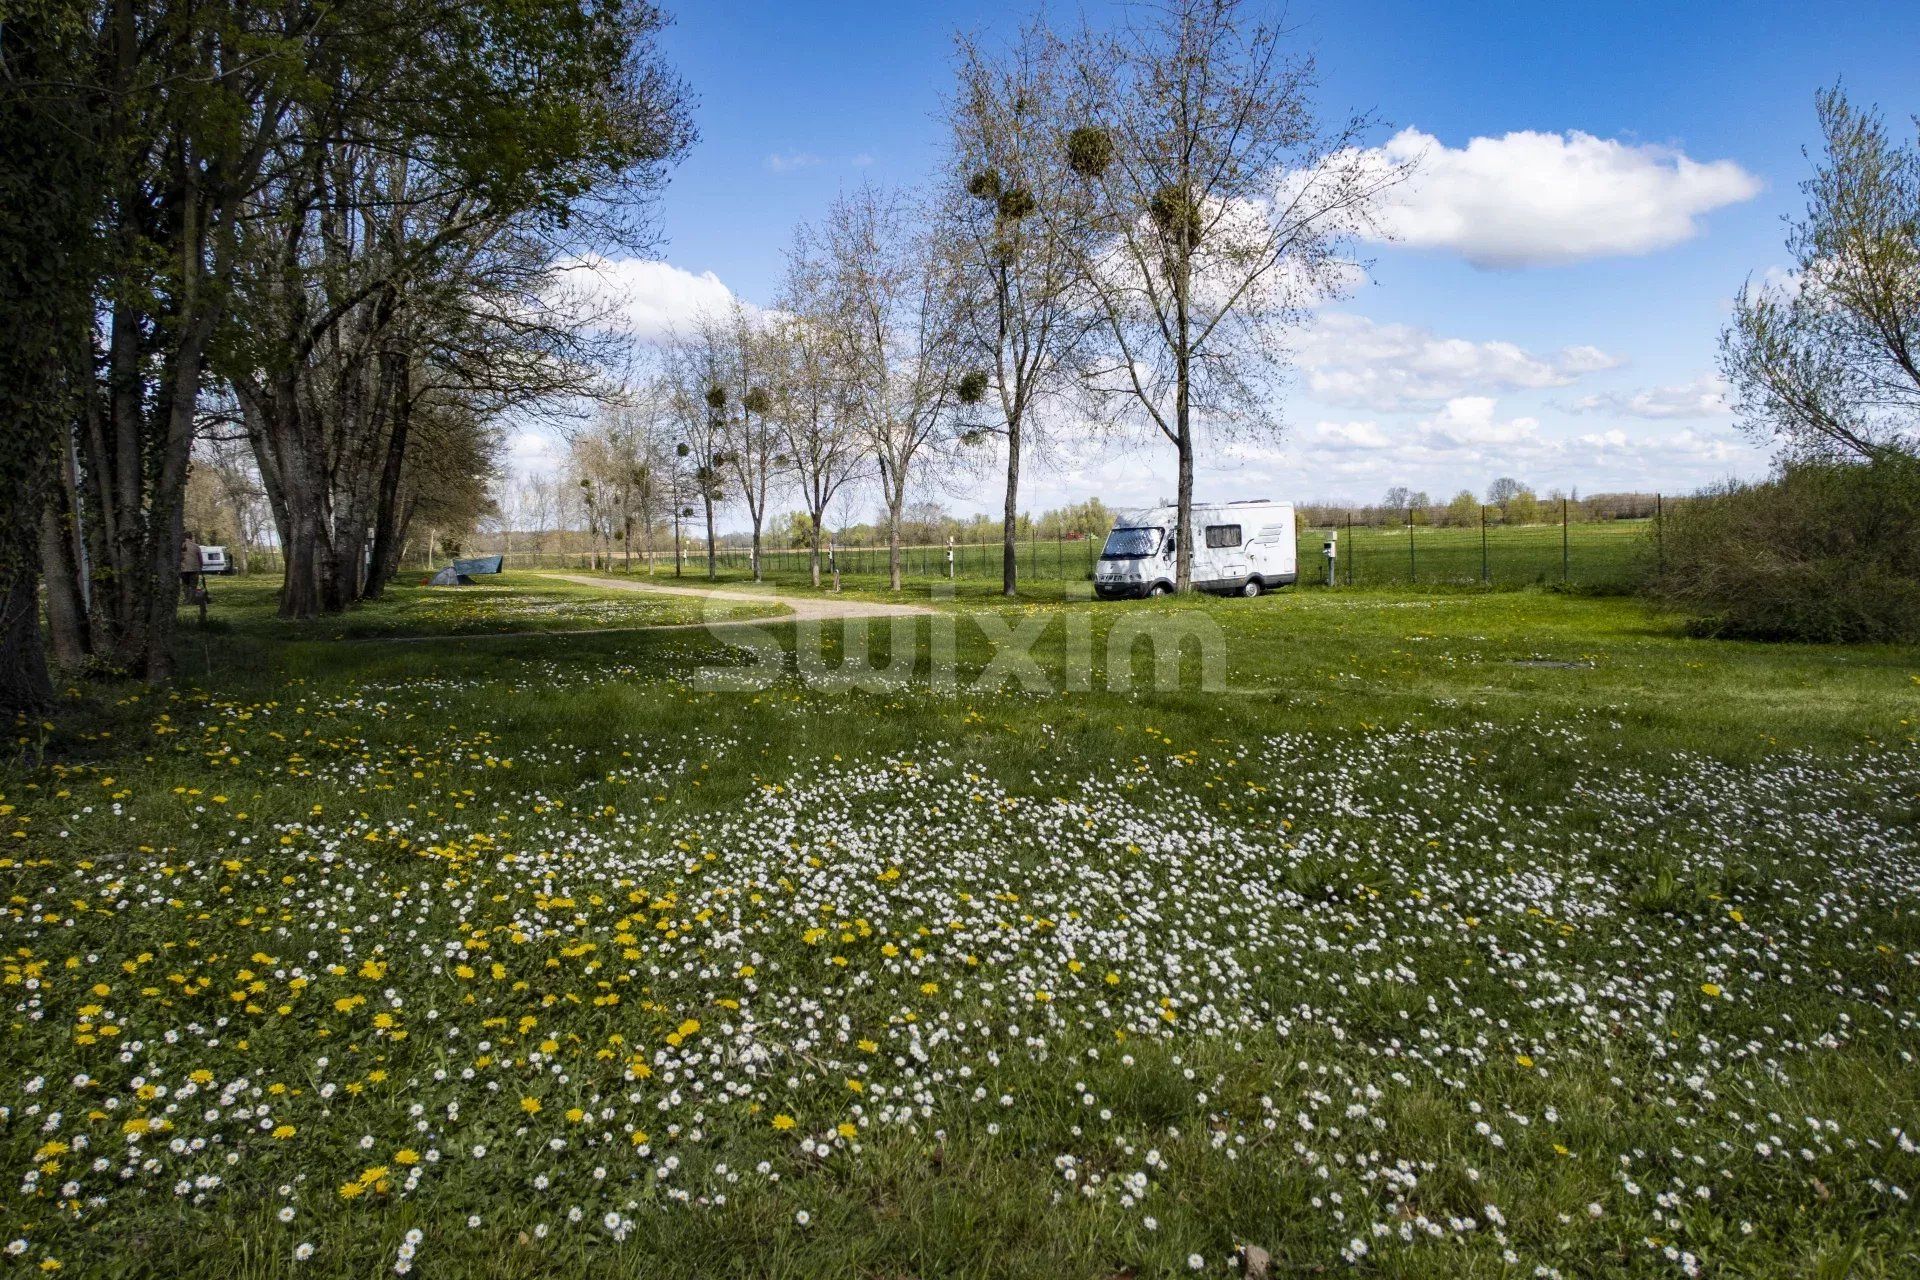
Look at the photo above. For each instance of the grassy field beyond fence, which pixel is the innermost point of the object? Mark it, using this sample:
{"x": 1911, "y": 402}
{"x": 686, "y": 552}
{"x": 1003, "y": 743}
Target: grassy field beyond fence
{"x": 1592, "y": 555}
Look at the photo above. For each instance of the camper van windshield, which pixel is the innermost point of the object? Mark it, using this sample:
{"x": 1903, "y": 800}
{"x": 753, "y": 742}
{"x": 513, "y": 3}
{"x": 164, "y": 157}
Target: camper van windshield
{"x": 1131, "y": 544}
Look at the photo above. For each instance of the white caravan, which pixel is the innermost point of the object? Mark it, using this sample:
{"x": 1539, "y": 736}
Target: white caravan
{"x": 1239, "y": 548}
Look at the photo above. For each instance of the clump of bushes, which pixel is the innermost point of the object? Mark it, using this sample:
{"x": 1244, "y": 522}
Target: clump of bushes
{"x": 1823, "y": 552}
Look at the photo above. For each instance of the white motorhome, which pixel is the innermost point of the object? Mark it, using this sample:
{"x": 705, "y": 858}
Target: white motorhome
{"x": 1239, "y": 548}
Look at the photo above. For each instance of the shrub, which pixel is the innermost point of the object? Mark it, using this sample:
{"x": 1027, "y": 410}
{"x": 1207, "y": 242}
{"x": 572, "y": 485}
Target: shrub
{"x": 1823, "y": 552}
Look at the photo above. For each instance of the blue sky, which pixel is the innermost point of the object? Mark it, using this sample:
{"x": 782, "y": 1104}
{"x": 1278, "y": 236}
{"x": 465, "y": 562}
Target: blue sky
{"x": 1569, "y": 342}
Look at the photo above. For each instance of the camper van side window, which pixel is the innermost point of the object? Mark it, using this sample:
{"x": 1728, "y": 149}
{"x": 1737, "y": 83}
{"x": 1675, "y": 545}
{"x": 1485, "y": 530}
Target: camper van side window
{"x": 1223, "y": 535}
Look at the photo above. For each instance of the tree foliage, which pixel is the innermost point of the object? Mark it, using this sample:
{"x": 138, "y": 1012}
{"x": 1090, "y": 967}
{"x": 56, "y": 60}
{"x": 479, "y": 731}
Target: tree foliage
{"x": 1827, "y": 363}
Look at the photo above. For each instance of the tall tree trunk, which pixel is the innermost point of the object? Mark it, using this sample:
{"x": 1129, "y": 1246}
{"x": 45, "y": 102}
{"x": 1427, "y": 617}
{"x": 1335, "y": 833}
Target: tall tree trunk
{"x": 1010, "y": 516}
{"x": 386, "y": 521}
{"x": 896, "y": 509}
{"x": 24, "y": 685}
{"x": 713, "y": 568}
{"x": 305, "y": 546}
{"x": 116, "y": 488}
{"x": 385, "y": 570}
{"x": 167, "y": 504}
{"x": 66, "y": 614}
{"x": 1183, "y": 424}
{"x": 813, "y": 546}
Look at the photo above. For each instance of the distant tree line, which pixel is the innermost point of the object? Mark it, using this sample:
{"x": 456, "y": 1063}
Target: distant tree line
{"x": 1507, "y": 501}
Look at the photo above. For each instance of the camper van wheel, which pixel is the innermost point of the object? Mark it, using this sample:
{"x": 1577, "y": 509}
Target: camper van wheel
{"x": 1252, "y": 588}
{"x": 1159, "y": 589}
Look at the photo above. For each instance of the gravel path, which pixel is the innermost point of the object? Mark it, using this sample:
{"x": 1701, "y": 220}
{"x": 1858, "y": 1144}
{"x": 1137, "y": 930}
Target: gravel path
{"x": 804, "y": 608}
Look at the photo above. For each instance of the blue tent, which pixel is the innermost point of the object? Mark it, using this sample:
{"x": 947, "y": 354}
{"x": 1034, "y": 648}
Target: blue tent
{"x": 461, "y": 573}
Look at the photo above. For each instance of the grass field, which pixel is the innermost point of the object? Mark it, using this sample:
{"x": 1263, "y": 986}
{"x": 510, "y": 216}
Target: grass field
{"x": 1478, "y": 934}
{"x": 245, "y": 607}
{"x": 1603, "y": 555}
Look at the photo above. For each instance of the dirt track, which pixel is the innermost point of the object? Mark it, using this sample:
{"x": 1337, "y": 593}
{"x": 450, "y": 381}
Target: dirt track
{"x": 804, "y": 608}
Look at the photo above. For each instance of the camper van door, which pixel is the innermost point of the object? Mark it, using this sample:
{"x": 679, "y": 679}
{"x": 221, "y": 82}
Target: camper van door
{"x": 1223, "y": 549}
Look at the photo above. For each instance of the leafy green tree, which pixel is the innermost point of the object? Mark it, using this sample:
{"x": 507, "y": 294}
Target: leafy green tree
{"x": 1828, "y": 364}
{"x": 48, "y": 174}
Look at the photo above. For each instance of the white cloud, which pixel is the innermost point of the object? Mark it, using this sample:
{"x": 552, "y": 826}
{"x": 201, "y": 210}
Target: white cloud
{"x": 788, "y": 161}
{"x": 644, "y": 297}
{"x": 532, "y": 451}
{"x": 1704, "y": 397}
{"x": 1532, "y": 199}
{"x": 862, "y": 160}
{"x": 1462, "y": 446}
{"x": 1350, "y": 359}
{"x": 1350, "y": 437}
{"x": 1612, "y": 441}
{"x": 1786, "y": 281}
{"x": 1468, "y": 422}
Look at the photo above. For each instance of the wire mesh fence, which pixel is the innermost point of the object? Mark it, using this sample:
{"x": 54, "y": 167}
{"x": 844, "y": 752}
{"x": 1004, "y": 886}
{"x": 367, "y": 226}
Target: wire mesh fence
{"x": 1589, "y": 554}
{"x": 1602, "y": 554}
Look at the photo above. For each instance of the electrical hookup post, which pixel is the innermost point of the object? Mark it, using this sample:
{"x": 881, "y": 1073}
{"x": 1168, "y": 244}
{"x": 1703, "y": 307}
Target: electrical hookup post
{"x": 949, "y": 557}
{"x": 1331, "y": 550}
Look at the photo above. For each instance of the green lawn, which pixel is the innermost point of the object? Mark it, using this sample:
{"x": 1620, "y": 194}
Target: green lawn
{"x": 507, "y": 602}
{"x": 1480, "y": 934}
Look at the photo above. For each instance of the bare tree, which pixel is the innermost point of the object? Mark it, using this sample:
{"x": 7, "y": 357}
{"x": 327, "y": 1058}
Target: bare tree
{"x": 533, "y": 499}
{"x": 741, "y": 341}
{"x": 1830, "y": 365}
{"x": 881, "y": 288}
{"x": 225, "y": 500}
{"x": 1225, "y": 207}
{"x": 697, "y": 393}
{"x": 1023, "y": 315}
{"x": 813, "y": 413}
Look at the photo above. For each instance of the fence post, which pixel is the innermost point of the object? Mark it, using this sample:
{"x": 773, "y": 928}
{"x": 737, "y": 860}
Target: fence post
{"x": 1349, "y": 548}
{"x": 1659, "y": 535}
{"x": 1486, "y": 577}
{"x": 1413, "y": 569}
{"x": 1563, "y": 540}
